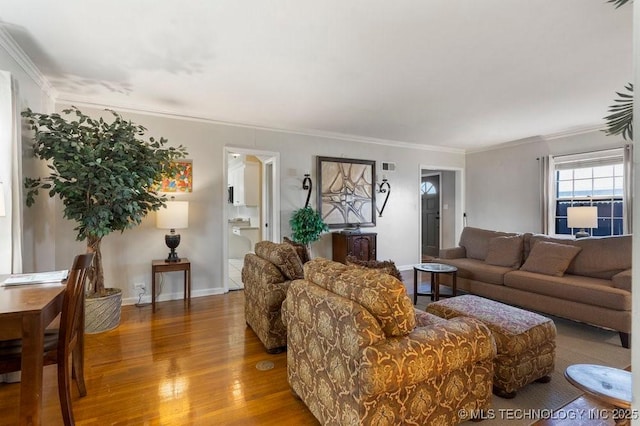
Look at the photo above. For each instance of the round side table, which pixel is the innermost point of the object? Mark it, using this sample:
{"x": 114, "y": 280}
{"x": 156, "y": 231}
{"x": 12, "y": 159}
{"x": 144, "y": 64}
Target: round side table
{"x": 611, "y": 385}
{"x": 435, "y": 269}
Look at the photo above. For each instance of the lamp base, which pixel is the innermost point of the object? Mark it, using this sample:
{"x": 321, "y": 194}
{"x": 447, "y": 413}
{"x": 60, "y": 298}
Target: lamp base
{"x": 173, "y": 241}
{"x": 582, "y": 234}
{"x": 173, "y": 257}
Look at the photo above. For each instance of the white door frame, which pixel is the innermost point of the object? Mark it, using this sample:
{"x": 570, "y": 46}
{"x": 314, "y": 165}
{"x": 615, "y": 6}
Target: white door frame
{"x": 460, "y": 202}
{"x": 274, "y": 159}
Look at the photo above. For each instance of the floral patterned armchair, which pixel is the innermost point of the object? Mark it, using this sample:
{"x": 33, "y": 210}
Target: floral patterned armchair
{"x": 359, "y": 353}
{"x": 266, "y": 276}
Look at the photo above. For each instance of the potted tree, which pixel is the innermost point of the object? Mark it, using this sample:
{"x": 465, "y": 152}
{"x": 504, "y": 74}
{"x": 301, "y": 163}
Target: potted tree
{"x": 105, "y": 175}
{"x": 307, "y": 226}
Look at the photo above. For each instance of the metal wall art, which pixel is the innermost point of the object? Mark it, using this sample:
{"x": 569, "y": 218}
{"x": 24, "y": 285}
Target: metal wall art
{"x": 346, "y": 193}
{"x": 384, "y": 188}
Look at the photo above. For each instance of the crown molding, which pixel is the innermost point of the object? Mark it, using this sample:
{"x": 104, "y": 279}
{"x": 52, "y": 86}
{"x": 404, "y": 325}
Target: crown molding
{"x": 537, "y": 138}
{"x": 138, "y": 109}
{"x": 21, "y": 58}
{"x": 575, "y": 131}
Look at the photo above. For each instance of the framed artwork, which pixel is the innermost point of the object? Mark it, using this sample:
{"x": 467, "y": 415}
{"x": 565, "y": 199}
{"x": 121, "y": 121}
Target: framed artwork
{"x": 346, "y": 192}
{"x": 182, "y": 181}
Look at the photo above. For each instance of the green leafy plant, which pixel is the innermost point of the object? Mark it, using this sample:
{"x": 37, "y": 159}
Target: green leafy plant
{"x": 307, "y": 225}
{"x": 620, "y": 121}
{"x": 618, "y": 3}
{"x": 104, "y": 173}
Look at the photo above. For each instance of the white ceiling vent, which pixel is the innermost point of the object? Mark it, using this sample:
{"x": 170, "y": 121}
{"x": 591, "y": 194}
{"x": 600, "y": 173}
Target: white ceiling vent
{"x": 388, "y": 167}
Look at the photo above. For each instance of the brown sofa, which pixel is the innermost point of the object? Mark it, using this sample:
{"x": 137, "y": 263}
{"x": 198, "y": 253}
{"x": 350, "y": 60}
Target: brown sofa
{"x": 266, "y": 276}
{"x": 358, "y": 353}
{"x": 586, "y": 280}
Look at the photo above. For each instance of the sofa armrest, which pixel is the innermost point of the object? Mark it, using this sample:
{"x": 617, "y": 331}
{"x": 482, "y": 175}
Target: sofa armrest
{"x": 622, "y": 280}
{"x": 453, "y": 253}
{"x": 426, "y": 352}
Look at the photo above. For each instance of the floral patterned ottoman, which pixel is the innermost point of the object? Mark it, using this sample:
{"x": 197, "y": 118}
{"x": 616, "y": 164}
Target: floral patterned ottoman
{"x": 525, "y": 341}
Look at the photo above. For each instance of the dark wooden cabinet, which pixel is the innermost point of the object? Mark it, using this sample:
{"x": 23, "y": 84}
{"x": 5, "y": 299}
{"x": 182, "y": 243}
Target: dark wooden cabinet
{"x": 359, "y": 244}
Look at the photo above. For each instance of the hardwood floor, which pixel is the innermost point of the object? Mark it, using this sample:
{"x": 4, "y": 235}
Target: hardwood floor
{"x": 175, "y": 367}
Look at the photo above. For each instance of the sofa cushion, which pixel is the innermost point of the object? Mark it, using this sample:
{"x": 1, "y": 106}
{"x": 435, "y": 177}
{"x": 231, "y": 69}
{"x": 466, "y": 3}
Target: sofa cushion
{"x": 505, "y": 251}
{"x": 300, "y": 249}
{"x": 323, "y": 271}
{"x": 478, "y": 270}
{"x": 386, "y": 266}
{"x": 381, "y": 294}
{"x": 600, "y": 257}
{"x": 587, "y": 290}
{"x": 476, "y": 241}
{"x": 550, "y": 258}
{"x": 283, "y": 256}
{"x": 622, "y": 280}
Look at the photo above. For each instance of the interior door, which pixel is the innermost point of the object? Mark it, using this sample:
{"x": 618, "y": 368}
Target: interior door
{"x": 267, "y": 211}
{"x": 430, "y": 195}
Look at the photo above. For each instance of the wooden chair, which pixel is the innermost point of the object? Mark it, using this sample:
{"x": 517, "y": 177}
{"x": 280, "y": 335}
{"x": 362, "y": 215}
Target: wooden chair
{"x": 60, "y": 343}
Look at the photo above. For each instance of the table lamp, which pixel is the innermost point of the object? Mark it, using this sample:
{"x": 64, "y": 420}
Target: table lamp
{"x": 582, "y": 217}
{"x": 174, "y": 216}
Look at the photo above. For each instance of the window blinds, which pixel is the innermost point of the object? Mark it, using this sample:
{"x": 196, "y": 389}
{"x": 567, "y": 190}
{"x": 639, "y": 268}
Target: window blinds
{"x": 607, "y": 157}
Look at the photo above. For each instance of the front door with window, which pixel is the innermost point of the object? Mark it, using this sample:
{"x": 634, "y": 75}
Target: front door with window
{"x": 430, "y": 197}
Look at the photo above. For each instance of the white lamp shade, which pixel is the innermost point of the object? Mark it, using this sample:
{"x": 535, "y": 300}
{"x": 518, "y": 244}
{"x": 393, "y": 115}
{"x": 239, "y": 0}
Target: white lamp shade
{"x": 3, "y": 212}
{"x": 582, "y": 217}
{"x": 174, "y": 216}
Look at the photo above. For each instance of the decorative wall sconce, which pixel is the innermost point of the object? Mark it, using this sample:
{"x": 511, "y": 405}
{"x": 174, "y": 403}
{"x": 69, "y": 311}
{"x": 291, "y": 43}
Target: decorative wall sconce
{"x": 384, "y": 187}
{"x": 307, "y": 185}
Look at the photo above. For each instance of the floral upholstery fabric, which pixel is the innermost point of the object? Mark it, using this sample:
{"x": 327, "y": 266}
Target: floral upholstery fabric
{"x": 265, "y": 288}
{"x": 341, "y": 363}
{"x": 283, "y": 256}
{"x": 381, "y": 294}
{"x": 301, "y": 250}
{"x": 386, "y": 266}
{"x": 525, "y": 341}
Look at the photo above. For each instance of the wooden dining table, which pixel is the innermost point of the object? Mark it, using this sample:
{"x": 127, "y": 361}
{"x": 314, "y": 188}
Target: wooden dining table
{"x": 25, "y": 312}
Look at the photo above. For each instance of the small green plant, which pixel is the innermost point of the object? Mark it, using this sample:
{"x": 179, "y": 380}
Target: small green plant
{"x": 307, "y": 225}
{"x": 104, "y": 173}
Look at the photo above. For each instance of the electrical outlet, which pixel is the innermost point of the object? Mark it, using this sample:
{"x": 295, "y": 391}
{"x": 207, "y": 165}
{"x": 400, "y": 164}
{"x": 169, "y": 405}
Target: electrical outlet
{"x": 139, "y": 286}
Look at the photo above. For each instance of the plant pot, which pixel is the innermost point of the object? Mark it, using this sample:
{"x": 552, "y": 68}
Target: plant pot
{"x": 103, "y": 313}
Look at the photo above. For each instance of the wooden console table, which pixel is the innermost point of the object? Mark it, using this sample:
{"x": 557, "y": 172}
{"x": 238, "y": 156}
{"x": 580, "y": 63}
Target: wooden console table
{"x": 362, "y": 245}
{"x": 159, "y": 266}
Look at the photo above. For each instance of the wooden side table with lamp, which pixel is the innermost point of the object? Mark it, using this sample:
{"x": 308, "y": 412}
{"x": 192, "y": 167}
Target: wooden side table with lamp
{"x": 174, "y": 216}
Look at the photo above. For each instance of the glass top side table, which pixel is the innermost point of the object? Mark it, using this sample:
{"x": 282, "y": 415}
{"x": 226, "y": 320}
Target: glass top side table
{"x": 611, "y": 385}
{"x": 435, "y": 269}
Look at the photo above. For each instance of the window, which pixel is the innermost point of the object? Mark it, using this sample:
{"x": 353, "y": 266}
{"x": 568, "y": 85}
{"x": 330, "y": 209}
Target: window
{"x": 427, "y": 188}
{"x": 591, "y": 179}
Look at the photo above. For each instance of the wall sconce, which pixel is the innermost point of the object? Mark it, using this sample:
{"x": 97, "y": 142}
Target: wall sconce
{"x": 582, "y": 217}
{"x": 307, "y": 185}
{"x": 174, "y": 216}
{"x": 384, "y": 187}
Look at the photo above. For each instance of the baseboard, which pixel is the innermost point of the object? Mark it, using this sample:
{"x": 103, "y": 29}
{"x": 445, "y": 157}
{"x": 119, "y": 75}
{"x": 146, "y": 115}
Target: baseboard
{"x": 146, "y": 298}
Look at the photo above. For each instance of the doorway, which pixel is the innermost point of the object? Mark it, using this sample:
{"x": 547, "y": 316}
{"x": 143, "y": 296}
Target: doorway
{"x": 441, "y": 209}
{"x": 250, "y": 207}
{"x": 430, "y": 203}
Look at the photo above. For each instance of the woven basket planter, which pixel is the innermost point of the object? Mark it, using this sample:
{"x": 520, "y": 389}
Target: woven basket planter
{"x": 103, "y": 313}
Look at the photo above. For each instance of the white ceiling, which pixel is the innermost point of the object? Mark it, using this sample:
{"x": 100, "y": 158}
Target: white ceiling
{"x": 455, "y": 73}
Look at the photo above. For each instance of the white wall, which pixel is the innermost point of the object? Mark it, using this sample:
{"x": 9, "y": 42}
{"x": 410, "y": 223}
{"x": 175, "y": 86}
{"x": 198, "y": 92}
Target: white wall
{"x": 38, "y": 247}
{"x": 503, "y": 184}
{"x": 127, "y": 256}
